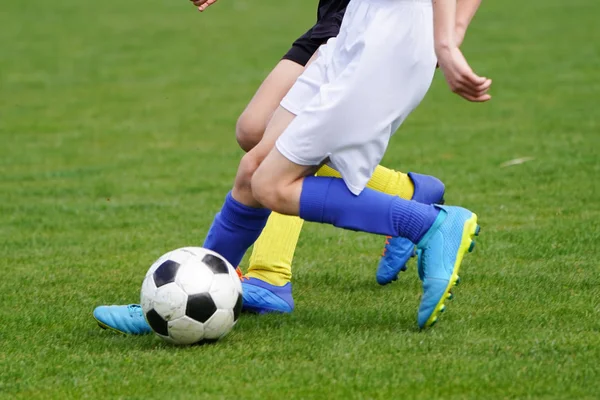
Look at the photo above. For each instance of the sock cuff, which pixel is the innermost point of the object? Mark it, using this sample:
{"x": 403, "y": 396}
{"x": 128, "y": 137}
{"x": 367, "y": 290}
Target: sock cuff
{"x": 243, "y": 215}
{"x": 411, "y": 219}
{"x": 313, "y": 196}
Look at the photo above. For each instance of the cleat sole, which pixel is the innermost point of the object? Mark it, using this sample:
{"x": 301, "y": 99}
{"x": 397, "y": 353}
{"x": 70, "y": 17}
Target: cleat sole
{"x": 110, "y": 328}
{"x": 471, "y": 246}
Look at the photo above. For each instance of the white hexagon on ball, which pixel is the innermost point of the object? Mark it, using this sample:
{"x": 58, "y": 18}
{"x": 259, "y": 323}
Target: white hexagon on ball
{"x": 193, "y": 277}
{"x": 219, "y": 324}
{"x": 147, "y": 294}
{"x": 185, "y": 330}
{"x": 223, "y": 291}
{"x": 170, "y": 301}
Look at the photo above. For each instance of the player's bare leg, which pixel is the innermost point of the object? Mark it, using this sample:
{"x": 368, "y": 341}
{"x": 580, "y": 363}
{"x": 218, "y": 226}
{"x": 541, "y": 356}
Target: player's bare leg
{"x": 267, "y": 283}
{"x": 253, "y": 121}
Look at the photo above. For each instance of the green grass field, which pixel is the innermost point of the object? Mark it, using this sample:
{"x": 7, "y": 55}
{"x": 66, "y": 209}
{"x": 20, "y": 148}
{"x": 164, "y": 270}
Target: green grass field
{"x": 117, "y": 145}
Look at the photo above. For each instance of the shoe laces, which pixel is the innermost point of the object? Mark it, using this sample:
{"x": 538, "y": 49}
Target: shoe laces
{"x": 135, "y": 309}
{"x": 387, "y": 243}
{"x": 240, "y": 274}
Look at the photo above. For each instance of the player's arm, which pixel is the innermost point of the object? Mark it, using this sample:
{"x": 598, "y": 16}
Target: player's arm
{"x": 465, "y": 11}
{"x": 459, "y": 75}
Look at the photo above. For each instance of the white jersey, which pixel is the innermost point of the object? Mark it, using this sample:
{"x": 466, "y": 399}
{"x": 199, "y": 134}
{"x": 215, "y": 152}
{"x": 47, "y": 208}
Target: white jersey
{"x": 361, "y": 87}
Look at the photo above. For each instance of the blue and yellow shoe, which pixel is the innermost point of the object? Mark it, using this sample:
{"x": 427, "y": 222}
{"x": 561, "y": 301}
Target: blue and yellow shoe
{"x": 397, "y": 250}
{"x": 262, "y": 297}
{"x": 127, "y": 319}
{"x": 441, "y": 251}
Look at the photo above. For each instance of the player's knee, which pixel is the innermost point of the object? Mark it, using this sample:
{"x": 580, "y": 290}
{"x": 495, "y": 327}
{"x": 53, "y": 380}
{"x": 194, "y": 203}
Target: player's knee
{"x": 248, "y": 165}
{"x": 268, "y": 193}
{"x": 249, "y": 131}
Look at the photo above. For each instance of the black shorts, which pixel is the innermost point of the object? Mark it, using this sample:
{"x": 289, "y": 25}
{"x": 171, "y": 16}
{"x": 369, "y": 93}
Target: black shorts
{"x": 329, "y": 18}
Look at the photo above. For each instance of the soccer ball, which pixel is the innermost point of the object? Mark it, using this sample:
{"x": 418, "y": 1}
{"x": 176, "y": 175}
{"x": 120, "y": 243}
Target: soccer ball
{"x": 191, "y": 296}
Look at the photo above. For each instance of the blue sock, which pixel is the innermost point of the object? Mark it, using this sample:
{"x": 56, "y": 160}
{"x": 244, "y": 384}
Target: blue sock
{"x": 235, "y": 228}
{"x": 328, "y": 200}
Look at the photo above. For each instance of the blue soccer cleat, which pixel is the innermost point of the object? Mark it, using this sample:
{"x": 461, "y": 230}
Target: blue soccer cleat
{"x": 262, "y": 297}
{"x": 397, "y": 250}
{"x": 127, "y": 319}
{"x": 441, "y": 251}
{"x": 396, "y": 253}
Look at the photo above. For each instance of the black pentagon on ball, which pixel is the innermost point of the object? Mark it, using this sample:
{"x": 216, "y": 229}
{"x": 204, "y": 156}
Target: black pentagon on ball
{"x": 157, "y": 323}
{"x": 200, "y": 307}
{"x": 165, "y": 273}
{"x": 216, "y": 264}
{"x": 237, "y": 309}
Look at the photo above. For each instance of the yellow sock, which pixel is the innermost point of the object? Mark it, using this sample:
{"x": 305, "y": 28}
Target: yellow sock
{"x": 383, "y": 180}
{"x": 272, "y": 254}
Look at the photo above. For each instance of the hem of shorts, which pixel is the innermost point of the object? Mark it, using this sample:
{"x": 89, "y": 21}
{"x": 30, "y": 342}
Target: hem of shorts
{"x": 293, "y": 158}
{"x": 354, "y": 189}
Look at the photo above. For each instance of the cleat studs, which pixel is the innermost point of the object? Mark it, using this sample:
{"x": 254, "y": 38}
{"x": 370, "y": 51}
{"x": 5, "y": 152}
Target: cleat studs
{"x": 477, "y": 230}
{"x": 433, "y": 322}
{"x": 450, "y": 296}
{"x": 457, "y": 282}
{"x": 442, "y": 308}
{"x": 471, "y": 246}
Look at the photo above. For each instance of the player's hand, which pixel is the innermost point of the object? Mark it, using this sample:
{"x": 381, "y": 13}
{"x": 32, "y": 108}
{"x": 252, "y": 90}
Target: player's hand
{"x": 461, "y": 78}
{"x": 203, "y": 4}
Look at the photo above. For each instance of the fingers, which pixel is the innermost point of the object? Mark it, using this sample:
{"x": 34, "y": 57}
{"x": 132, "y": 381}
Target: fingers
{"x": 475, "y": 91}
{"x": 473, "y": 98}
{"x": 206, "y": 4}
{"x": 470, "y": 79}
{"x": 469, "y": 83}
{"x": 474, "y": 79}
{"x": 475, "y": 94}
{"x": 203, "y": 4}
{"x": 485, "y": 85}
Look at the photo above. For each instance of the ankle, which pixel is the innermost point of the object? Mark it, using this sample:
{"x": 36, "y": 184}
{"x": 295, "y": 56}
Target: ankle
{"x": 271, "y": 277}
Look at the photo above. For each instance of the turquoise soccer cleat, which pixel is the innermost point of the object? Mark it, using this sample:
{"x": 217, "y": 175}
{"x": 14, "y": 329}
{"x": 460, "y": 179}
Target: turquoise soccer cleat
{"x": 127, "y": 319}
{"x": 441, "y": 251}
{"x": 262, "y": 297}
{"x": 397, "y": 250}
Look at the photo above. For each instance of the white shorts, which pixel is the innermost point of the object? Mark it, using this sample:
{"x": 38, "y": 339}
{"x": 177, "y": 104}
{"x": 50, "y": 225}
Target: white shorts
{"x": 361, "y": 87}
